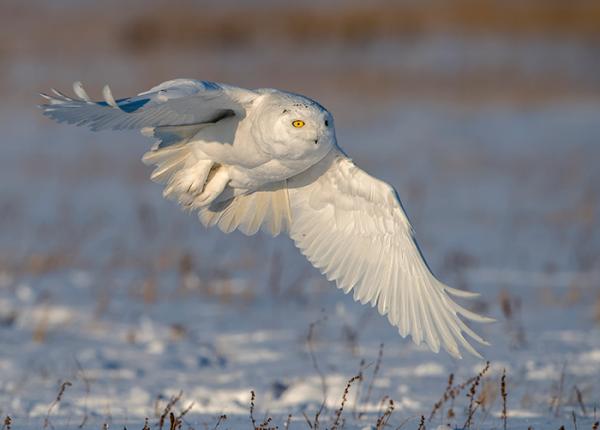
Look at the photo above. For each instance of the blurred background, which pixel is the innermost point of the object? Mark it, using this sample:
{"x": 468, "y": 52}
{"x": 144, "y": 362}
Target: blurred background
{"x": 484, "y": 115}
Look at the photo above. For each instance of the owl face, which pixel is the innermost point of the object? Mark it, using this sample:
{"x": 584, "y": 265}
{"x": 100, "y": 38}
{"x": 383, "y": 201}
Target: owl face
{"x": 293, "y": 127}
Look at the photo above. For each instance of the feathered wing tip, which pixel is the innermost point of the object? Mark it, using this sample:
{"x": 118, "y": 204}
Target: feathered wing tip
{"x": 352, "y": 227}
{"x": 57, "y": 98}
{"x": 63, "y": 100}
{"x": 172, "y": 103}
{"x": 444, "y": 326}
{"x": 81, "y": 110}
{"x": 419, "y": 306}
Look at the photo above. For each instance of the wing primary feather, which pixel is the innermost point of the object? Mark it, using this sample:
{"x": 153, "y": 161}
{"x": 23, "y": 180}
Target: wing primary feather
{"x": 461, "y": 293}
{"x": 426, "y": 310}
{"x": 471, "y": 333}
{"x": 61, "y": 95}
{"x": 388, "y": 293}
{"x": 108, "y": 97}
{"x": 355, "y": 271}
{"x": 330, "y": 255}
{"x": 469, "y": 314}
{"x": 447, "y": 340}
{"x": 341, "y": 268}
{"x": 370, "y": 286}
{"x": 413, "y": 323}
{"x": 405, "y": 304}
{"x": 81, "y": 93}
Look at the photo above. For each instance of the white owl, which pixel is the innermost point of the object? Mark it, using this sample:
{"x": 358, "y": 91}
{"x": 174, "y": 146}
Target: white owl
{"x": 251, "y": 159}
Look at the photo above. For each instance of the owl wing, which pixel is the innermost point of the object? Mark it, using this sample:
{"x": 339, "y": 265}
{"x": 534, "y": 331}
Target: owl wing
{"x": 352, "y": 227}
{"x": 178, "y": 102}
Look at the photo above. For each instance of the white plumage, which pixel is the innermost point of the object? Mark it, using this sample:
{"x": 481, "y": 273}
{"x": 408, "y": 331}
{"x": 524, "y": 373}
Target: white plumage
{"x": 251, "y": 159}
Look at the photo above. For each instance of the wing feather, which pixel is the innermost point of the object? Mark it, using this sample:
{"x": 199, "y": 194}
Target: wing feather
{"x": 176, "y": 102}
{"x": 353, "y": 228}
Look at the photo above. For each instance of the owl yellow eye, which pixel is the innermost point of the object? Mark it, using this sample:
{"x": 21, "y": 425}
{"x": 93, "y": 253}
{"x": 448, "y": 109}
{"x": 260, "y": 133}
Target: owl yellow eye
{"x": 298, "y": 123}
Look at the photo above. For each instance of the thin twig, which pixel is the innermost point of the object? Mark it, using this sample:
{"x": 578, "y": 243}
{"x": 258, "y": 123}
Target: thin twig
{"x": 185, "y": 411}
{"x": 307, "y": 420}
{"x": 86, "y": 382}
{"x": 56, "y": 401}
{"x": 311, "y": 350}
{"x": 252, "y": 397}
{"x": 265, "y": 423}
{"x": 175, "y": 423}
{"x": 338, "y": 413}
{"x": 504, "y": 395}
{"x": 375, "y": 373}
{"x": 580, "y": 401}
{"x": 383, "y": 419}
{"x": 221, "y": 419}
{"x": 361, "y": 368}
{"x": 438, "y": 405}
{"x": 166, "y": 412}
{"x": 560, "y": 391}
{"x": 471, "y": 396}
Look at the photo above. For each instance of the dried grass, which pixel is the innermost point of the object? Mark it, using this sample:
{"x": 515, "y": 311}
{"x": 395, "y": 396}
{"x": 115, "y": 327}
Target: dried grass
{"x": 445, "y": 397}
{"x": 579, "y": 397}
{"x": 340, "y": 410}
{"x": 311, "y": 349}
{"x": 7, "y": 423}
{"x": 556, "y": 400}
{"x": 266, "y": 424}
{"x": 221, "y": 419}
{"x": 504, "y": 397}
{"x": 473, "y": 404}
{"x": 167, "y": 411}
{"x": 375, "y": 373}
{"x": 383, "y": 419}
{"x": 56, "y": 401}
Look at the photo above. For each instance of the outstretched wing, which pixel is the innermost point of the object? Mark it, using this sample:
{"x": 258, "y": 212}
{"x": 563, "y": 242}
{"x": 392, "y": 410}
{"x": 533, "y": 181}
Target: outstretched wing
{"x": 352, "y": 227}
{"x": 172, "y": 103}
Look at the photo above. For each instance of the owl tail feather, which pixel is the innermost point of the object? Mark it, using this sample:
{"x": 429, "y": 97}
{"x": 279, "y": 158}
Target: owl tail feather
{"x": 268, "y": 208}
{"x": 202, "y": 184}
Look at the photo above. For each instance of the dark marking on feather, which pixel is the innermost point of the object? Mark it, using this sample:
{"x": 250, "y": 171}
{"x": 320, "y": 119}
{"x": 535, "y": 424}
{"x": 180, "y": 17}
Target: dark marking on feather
{"x": 133, "y": 106}
{"x": 220, "y": 115}
{"x": 126, "y": 106}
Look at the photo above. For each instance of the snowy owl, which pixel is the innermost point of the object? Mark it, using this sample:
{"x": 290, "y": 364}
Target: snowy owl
{"x": 251, "y": 159}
